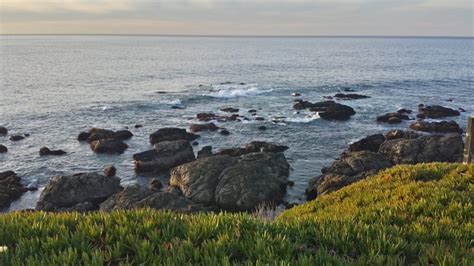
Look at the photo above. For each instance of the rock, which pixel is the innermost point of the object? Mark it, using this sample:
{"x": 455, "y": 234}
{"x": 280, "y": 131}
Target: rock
{"x": 3, "y": 149}
{"x": 66, "y": 192}
{"x": 262, "y": 128}
{"x": 122, "y": 135}
{"x": 155, "y": 184}
{"x": 230, "y": 110}
{"x": 225, "y": 132}
{"x": 138, "y": 126}
{"x": 203, "y": 127}
{"x": 259, "y": 118}
{"x": 351, "y": 167}
{"x": 420, "y": 116}
{"x": 296, "y": 94}
{"x": 438, "y": 127}
{"x": 231, "y": 183}
{"x": 10, "y": 188}
{"x": 290, "y": 183}
{"x": 235, "y": 152}
{"x": 400, "y": 134}
{"x": 350, "y": 96}
{"x": 171, "y": 134}
{"x": 392, "y": 118}
{"x": 99, "y": 134}
{"x": 110, "y": 171}
{"x": 437, "y": 111}
{"x": 262, "y": 146}
{"x": 16, "y": 137}
{"x": 461, "y": 110}
{"x": 138, "y": 197}
{"x": 46, "y": 151}
{"x": 404, "y": 111}
{"x": 337, "y": 111}
{"x": 206, "y": 151}
{"x": 3, "y": 131}
{"x": 164, "y": 156}
{"x": 300, "y": 105}
{"x": 252, "y": 111}
{"x": 110, "y": 146}
{"x": 83, "y": 136}
{"x": 195, "y": 143}
{"x": 369, "y": 143}
{"x": 206, "y": 117}
{"x": 424, "y": 149}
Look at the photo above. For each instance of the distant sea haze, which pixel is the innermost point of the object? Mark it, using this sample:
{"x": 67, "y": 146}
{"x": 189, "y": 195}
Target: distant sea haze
{"x": 53, "y": 87}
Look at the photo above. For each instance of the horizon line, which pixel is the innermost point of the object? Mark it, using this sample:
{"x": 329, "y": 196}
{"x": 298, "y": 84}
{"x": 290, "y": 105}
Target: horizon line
{"x": 236, "y": 35}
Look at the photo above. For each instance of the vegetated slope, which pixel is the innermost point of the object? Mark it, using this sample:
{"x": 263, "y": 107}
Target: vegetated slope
{"x": 408, "y": 214}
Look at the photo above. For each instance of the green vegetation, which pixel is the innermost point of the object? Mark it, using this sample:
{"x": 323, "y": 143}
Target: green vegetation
{"x": 419, "y": 214}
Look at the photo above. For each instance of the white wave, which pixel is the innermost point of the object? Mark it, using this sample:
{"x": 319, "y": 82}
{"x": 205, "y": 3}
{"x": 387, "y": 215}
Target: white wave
{"x": 173, "y": 102}
{"x": 308, "y": 118}
{"x": 236, "y": 90}
{"x": 105, "y": 107}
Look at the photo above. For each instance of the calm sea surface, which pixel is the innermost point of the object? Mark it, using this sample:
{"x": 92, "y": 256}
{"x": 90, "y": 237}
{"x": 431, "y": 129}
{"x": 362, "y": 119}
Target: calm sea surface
{"x": 54, "y": 87}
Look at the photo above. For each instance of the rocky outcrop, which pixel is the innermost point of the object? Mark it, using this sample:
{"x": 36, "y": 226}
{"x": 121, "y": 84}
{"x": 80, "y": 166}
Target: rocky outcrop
{"x": 3, "y": 131}
{"x": 230, "y": 110}
{"x": 424, "y": 149}
{"x": 95, "y": 134}
{"x": 79, "y": 192}
{"x": 254, "y": 146}
{"x": 350, "y": 96}
{"x": 234, "y": 183}
{"x": 17, "y": 137}
{"x": 328, "y": 110}
{"x": 164, "y": 156}
{"x": 400, "y": 134}
{"x": 437, "y": 127}
{"x": 203, "y": 127}
{"x": 206, "y": 151}
{"x": 111, "y": 146}
{"x": 46, "y": 151}
{"x": 393, "y": 118}
{"x": 171, "y": 134}
{"x": 3, "y": 149}
{"x": 10, "y": 188}
{"x": 206, "y": 117}
{"x": 369, "y": 143}
{"x": 437, "y": 111}
{"x": 350, "y": 168}
{"x": 139, "y": 197}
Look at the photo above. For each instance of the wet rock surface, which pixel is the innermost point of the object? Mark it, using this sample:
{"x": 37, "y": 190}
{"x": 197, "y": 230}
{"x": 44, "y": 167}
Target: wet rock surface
{"x": 437, "y": 111}
{"x": 3, "y": 149}
{"x": 10, "y": 188}
{"x": 350, "y": 96}
{"x": 111, "y": 146}
{"x": 171, "y": 134}
{"x": 46, "y": 151}
{"x": 392, "y": 118}
{"x": 437, "y": 127}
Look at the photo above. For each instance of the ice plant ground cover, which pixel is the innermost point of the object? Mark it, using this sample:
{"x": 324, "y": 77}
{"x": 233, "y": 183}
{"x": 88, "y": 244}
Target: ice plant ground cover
{"x": 420, "y": 214}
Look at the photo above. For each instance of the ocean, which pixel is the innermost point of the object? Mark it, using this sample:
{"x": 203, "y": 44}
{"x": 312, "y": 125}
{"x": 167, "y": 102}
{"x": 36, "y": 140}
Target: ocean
{"x": 54, "y": 87}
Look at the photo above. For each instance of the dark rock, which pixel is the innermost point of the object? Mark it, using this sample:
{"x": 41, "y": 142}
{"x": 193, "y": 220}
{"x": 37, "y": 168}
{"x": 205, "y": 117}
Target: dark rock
{"x": 171, "y": 134}
{"x": 195, "y": 143}
{"x": 424, "y": 149}
{"x": 234, "y": 152}
{"x": 252, "y": 111}
{"x": 296, "y": 94}
{"x": 437, "y": 127}
{"x": 461, "y": 110}
{"x": 350, "y": 168}
{"x": 259, "y": 118}
{"x": 262, "y": 146}
{"x": 110, "y": 146}
{"x": 230, "y": 110}
{"x": 164, "y": 156}
{"x": 337, "y": 111}
{"x": 110, "y": 171}
{"x": 400, "y": 134}
{"x": 369, "y": 143}
{"x": 404, "y": 111}
{"x": 10, "y": 188}
{"x": 99, "y": 134}
{"x": 83, "y": 136}
{"x": 138, "y": 126}
{"x": 350, "y": 96}
{"x": 203, "y": 127}
{"x": 420, "y": 116}
{"x": 16, "y": 137}
{"x": 155, "y": 184}
{"x": 138, "y": 197}
{"x": 225, "y": 132}
{"x": 206, "y": 117}
{"x": 290, "y": 183}
{"x": 3, "y": 149}
{"x": 420, "y": 105}
{"x": 300, "y": 105}
{"x": 392, "y": 118}
{"x": 46, "y": 151}
{"x": 122, "y": 135}
{"x": 231, "y": 183}
{"x": 3, "y": 131}
{"x": 437, "y": 111}
{"x": 206, "y": 151}
{"x": 87, "y": 189}
{"x": 262, "y": 128}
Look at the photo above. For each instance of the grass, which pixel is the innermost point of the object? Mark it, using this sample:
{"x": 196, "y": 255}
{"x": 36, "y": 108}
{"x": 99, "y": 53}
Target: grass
{"x": 419, "y": 214}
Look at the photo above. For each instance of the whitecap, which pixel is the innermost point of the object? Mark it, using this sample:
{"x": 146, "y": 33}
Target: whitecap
{"x": 236, "y": 90}
{"x": 308, "y": 118}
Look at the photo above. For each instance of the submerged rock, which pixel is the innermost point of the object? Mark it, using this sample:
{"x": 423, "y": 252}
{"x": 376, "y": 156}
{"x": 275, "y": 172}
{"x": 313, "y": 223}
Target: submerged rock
{"x": 3, "y": 149}
{"x": 164, "y": 156}
{"x": 10, "y": 188}
{"x": 225, "y": 132}
{"x": 350, "y": 96}
{"x": 437, "y": 111}
{"x": 171, "y": 134}
{"x": 438, "y": 127}
{"x": 3, "y": 131}
{"x": 230, "y": 110}
{"x": 82, "y": 192}
{"x": 111, "y": 146}
{"x": 16, "y": 137}
{"x": 46, "y": 151}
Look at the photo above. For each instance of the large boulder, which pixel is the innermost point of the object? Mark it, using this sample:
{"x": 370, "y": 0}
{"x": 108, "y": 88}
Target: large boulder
{"x": 111, "y": 146}
{"x": 424, "y": 149}
{"x": 351, "y": 167}
{"x": 81, "y": 192}
{"x": 437, "y": 111}
{"x": 164, "y": 156}
{"x": 139, "y": 197}
{"x": 95, "y": 134}
{"x": 10, "y": 188}
{"x": 437, "y": 127}
{"x": 203, "y": 127}
{"x": 369, "y": 143}
{"x": 171, "y": 134}
{"x": 392, "y": 118}
{"x": 331, "y": 110}
{"x": 234, "y": 184}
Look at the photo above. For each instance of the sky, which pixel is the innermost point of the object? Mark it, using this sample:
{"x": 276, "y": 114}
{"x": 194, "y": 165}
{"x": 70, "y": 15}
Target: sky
{"x": 240, "y": 17}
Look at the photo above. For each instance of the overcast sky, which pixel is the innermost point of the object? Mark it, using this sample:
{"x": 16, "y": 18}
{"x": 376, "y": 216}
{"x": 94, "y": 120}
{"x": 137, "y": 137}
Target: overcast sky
{"x": 239, "y": 17}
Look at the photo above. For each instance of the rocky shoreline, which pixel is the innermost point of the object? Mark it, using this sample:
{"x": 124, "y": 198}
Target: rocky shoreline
{"x": 240, "y": 178}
